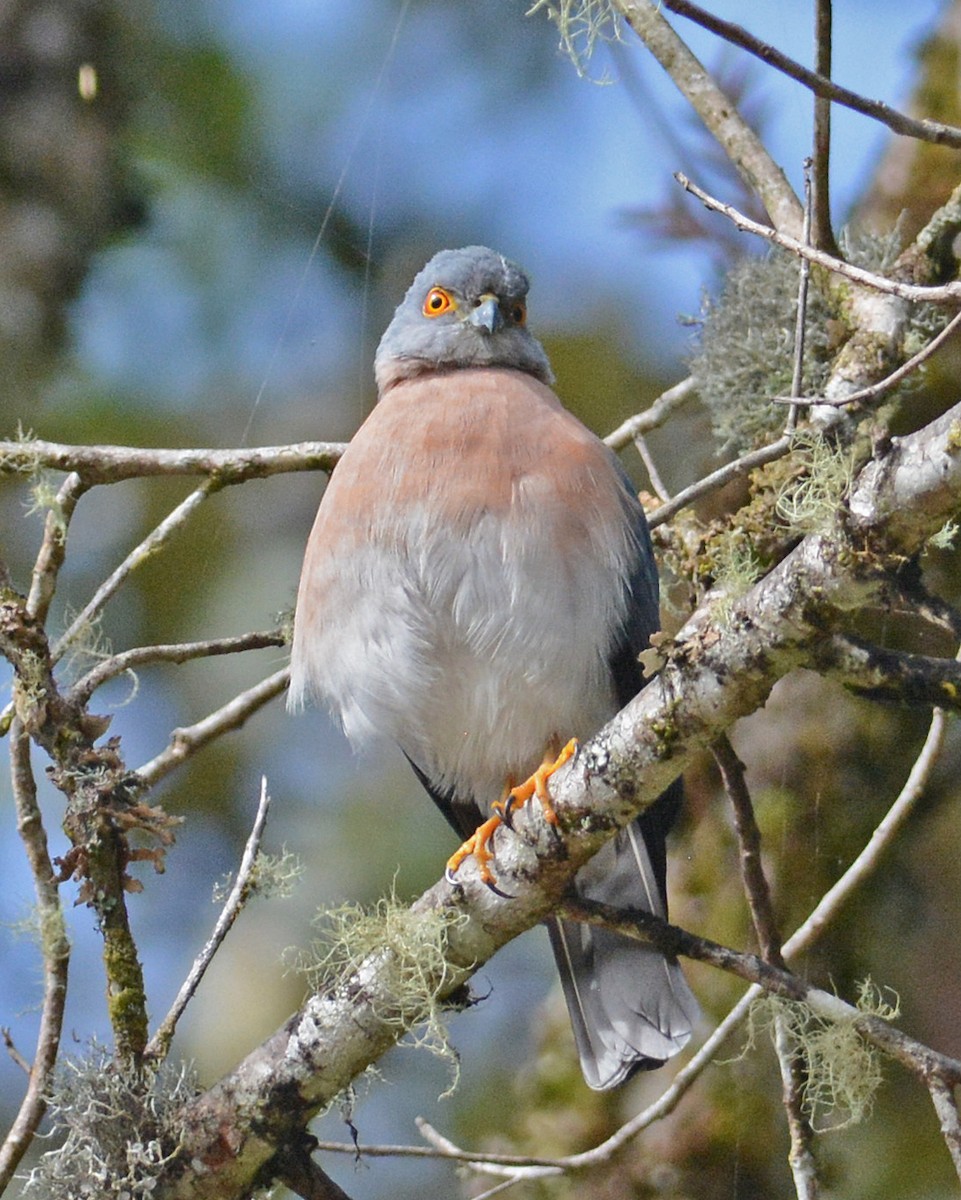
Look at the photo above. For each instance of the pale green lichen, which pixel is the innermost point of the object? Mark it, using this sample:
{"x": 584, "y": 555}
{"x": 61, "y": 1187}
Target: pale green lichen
{"x": 808, "y": 503}
{"x": 119, "y": 1129}
{"x": 737, "y": 569}
{"x": 842, "y": 1069}
{"x": 581, "y": 24}
{"x": 945, "y": 537}
{"x": 272, "y": 877}
{"x": 745, "y": 352}
{"x": 410, "y": 951}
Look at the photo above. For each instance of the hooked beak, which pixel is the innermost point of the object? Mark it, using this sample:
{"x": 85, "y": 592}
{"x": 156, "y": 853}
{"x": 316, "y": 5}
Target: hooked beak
{"x": 487, "y": 314}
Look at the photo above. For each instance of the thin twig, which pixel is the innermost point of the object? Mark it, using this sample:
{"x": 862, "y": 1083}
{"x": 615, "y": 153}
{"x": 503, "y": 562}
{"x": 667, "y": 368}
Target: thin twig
{"x": 820, "y": 166}
{"x": 55, "y": 949}
{"x": 921, "y": 128}
{"x": 176, "y": 652}
{"x": 865, "y": 395}
{"x": 942, "y": 1097}
{"x": 53, "y": 548}
{"x": 139, "y": 555}
{"x": 749, "y": 842}
{"x": 159, "y": 1044}
{"x": 651, "y": 467}
{"x": 653, "y": 417}
{"x": 12, "y": 1052}
{"x": 113, "y": 464}
{"x": 801, "y": 1157}
{"x": 947, "y": 293}
{"x": 800, "y": 322}
{"x": 719, "y": 478}
{"x": 867, "y": 861}
{"x": 187, "y": 741}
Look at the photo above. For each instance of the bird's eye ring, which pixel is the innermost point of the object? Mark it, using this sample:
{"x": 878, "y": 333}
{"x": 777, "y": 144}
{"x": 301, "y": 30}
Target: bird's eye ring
{"x": 437, "y": 302}
{"x": 519, "y": 313}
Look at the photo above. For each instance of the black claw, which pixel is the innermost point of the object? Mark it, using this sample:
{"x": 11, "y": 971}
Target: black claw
{"x": 497, "y": 891}
{"x": 452, "y": 879}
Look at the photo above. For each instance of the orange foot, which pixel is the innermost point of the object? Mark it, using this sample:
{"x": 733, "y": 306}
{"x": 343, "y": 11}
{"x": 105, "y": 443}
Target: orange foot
{"x": 537, "y": 786}
{"x": 479, "y": 845}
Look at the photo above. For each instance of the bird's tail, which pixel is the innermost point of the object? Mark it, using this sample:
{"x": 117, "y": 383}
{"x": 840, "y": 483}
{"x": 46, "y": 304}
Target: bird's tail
{"x": 631, "y": 1008}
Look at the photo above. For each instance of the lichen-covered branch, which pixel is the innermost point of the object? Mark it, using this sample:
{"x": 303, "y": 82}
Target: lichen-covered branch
{"x": 102, "y": 808}
{"x": 113, "y": 464}
{"x": 713, "y": 676}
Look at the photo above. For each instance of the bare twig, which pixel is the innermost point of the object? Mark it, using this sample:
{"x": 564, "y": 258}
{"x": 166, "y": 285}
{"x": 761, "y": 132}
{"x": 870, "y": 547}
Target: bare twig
{"x": 741, "y": 144}
{"x": 12, "y": 1052}
{"x": 137, "y": 557}
{"x": 54, "y": 947}
{"x": 159, "y": 1044}
{"x": 867, "y": 861}
{"x": 652, "y": 418}
{"x": 651, "y": 467}
{"x": 942, "y": 1097}
{"x": 749, "y": 841}
{"x": 113, "y": 464}
{"x": 719, "y": 478}
{"x": 800, "y": 321}
{"x": 801, "y": 1157}
{"x": 875, "y": 391}
{"x": 924, "y": 129}
{"x": 176, "y": 652}
{"x": 820, "y": 166}
{"x": 53, "y": 547}
{"x": 947, "y": 293}
{"x": 187, "y": 741}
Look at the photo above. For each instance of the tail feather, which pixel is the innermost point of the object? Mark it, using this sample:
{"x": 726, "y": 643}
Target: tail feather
{"x": 630, "y": 1007}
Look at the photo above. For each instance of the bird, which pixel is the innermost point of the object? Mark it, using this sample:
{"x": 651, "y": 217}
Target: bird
{"x": 477, "y": 586}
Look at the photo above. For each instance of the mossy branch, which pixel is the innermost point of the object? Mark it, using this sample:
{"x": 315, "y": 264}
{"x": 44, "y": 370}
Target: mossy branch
{"x": 711, "y": 678}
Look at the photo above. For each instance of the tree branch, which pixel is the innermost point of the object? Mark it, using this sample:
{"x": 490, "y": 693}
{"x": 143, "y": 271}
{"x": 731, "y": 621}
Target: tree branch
{"x": 925, "y": 130}
{"x": 176, "y": 652}
{"x": 713, "y": 676}
{"x": 113, "y": 464}
{"x": 159, "y": 1044}
{"x": 54, "y": 948}
{"x": 136, "y": 558}
{"x": 947, "y": 293}
{"x": 740, "y": 143}
{"x": 187, "y": 741}
{"x": 654, "y": 417}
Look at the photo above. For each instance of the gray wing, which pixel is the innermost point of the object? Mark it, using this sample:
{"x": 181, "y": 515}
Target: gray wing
{"x": 630, "y": 1007}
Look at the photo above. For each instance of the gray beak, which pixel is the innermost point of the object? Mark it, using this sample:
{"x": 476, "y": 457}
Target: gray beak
{"x": 487, "y": 314}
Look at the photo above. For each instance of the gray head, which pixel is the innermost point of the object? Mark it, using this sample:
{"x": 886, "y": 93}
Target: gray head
{"x": 466, "y": 308}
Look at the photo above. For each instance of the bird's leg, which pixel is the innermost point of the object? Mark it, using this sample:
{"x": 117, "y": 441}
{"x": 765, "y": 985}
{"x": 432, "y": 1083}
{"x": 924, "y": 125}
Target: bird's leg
{"x": 536, "y": 785}
{"x": 479, "y": 845}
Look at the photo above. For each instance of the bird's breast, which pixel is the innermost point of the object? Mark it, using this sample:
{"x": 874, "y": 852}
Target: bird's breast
{"x": 465, "y": 578}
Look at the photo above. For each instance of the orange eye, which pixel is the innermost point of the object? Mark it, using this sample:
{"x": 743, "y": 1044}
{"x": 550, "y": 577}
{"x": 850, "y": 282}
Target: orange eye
{"x": 438, "y": 302}
{"x": 519, "y": 313}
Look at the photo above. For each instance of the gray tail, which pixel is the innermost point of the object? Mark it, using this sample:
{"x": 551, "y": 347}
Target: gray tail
{"x": 630, "y": 1007}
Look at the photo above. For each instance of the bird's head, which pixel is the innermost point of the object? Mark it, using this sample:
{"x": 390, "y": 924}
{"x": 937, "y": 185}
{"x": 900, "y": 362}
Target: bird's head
{"x": 466, "y": 308}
